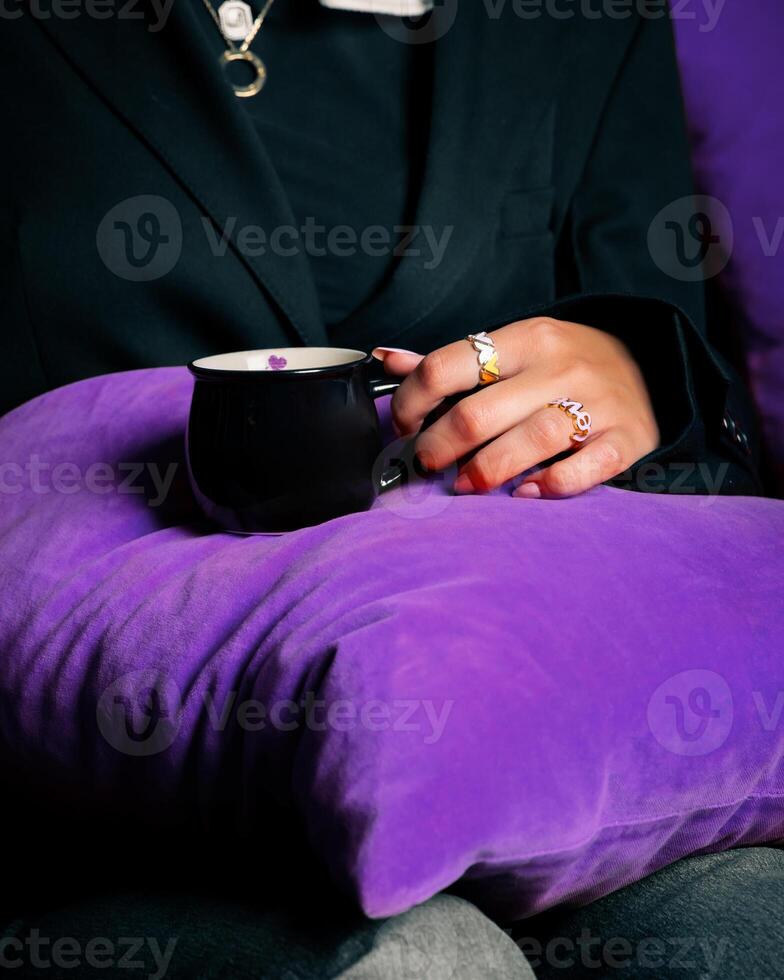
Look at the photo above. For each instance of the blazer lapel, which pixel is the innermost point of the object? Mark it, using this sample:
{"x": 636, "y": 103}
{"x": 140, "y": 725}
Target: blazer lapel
{"x": 167, "y": 85}
{"x": 494, "y": 84}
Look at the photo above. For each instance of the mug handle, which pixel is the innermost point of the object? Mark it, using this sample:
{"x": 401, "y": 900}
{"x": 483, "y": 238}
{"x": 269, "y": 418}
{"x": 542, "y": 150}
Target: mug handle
{"x": 381, "y": 384}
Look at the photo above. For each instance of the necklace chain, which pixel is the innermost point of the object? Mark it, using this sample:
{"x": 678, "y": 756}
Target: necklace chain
{"x": 242, "y": 51}
{"x": 257, "y": 24}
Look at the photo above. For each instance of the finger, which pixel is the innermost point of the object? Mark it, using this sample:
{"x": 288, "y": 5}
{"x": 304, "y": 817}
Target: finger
{"x": 481, "y": 416}
{"x": 540, "y": 437}
{"x": 396, "y": 361}
{"x": 450, "y": 370}
{"x": 604, "y": 457}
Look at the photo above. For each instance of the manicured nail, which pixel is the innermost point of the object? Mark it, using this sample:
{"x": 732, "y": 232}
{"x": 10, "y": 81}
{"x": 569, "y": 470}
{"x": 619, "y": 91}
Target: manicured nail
{"x": 463, "y": 484}
{"x": 425, "y": 461}
{"x": 528, "y": 490}
{"x": 381, "y": 352}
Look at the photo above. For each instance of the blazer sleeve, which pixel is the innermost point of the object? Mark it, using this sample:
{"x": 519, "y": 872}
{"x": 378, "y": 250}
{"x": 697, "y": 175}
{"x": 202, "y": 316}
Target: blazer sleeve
{"x": 627, "y": 272}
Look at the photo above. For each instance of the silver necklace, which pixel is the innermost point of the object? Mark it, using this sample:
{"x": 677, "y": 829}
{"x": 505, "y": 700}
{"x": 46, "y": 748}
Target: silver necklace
{"x": 234, "y": 19}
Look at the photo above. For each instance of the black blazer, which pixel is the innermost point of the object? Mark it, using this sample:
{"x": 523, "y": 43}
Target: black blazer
{"x": 553, "y": 145}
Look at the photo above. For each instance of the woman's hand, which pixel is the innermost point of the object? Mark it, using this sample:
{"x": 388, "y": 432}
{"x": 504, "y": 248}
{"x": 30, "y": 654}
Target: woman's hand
{"x": 510, "y": 422}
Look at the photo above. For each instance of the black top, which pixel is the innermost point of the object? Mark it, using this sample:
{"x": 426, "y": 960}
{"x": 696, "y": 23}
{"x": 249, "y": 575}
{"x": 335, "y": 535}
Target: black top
{"x": 350, "y": 176}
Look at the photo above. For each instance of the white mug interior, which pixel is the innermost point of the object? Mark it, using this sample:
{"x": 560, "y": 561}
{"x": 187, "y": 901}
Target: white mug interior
{"x": 281, "y": 359}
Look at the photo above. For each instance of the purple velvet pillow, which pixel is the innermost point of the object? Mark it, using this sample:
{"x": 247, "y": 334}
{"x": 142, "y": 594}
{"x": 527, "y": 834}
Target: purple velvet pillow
{"x": 733, "y": 80}
{"x": 539, "y": 700}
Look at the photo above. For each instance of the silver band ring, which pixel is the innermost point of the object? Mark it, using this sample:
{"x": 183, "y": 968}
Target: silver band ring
{"x": 487, "y": 355}
{"x": 581, "y": 420}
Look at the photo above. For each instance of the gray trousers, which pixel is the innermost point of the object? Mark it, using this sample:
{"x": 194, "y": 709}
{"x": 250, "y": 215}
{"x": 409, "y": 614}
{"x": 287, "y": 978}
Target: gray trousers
{"x": 715, "y": 917}
{"x": 719, "y": 916}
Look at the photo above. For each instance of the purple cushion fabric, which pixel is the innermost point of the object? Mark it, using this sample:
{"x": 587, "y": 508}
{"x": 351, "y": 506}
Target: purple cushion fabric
{"x": 733, "y": 80}
{"x": 542, "y": 700}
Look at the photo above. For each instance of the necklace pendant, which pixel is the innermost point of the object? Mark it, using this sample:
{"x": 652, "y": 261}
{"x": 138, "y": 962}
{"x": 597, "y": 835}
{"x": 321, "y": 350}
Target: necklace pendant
{"x": 254, "y": 62}
{"x": 236, "y": 20}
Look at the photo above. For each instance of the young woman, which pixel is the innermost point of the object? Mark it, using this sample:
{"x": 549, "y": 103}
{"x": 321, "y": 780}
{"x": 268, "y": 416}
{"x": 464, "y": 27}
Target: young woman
{"x": 377, "y": 190}
{"x": 189, "y": 179}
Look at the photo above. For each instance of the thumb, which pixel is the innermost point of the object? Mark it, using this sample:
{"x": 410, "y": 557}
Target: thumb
{"x": 397, "y": 361}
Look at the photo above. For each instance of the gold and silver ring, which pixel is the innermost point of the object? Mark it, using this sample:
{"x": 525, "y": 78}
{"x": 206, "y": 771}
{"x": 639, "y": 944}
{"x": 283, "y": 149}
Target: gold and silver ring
{"x": 581, "y": 420}
{"x": 487, "y": 355}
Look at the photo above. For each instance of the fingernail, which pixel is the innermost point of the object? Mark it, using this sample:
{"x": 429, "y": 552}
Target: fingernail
{"x": 381, "y": 352}
{"x": 425, "y": 462}
{"x": 463, "y": 484}
{"x": 528, "y": 490}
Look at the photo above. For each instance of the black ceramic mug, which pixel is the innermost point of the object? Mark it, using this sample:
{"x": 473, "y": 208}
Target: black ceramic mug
{"x": 286, "y": 438}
